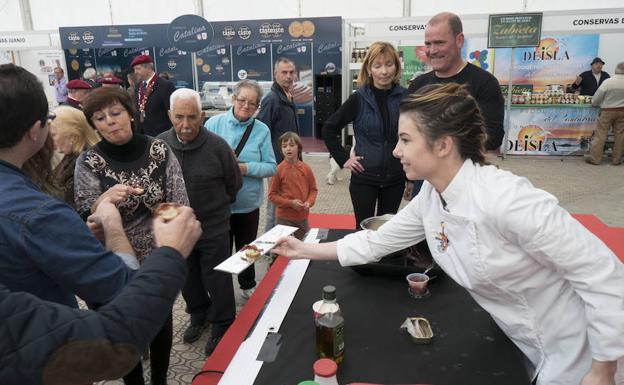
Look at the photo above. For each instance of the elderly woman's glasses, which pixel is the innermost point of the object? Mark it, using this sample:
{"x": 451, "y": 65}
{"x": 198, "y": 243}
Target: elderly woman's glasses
{"x": 249, "y": 103}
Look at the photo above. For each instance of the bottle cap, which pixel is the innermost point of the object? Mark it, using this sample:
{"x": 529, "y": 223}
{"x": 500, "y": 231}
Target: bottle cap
{"x": 329, "y": 292}
{"x": 325, "y": 367}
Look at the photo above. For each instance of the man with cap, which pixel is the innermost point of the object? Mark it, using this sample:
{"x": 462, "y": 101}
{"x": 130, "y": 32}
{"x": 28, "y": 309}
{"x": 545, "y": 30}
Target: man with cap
{"x": 152, "y": 97}
{"x": 610, "y": 98}
{"x": 110, "y": 81}
{"x": 589, "y": 81}
{"x": 78, "y": 91}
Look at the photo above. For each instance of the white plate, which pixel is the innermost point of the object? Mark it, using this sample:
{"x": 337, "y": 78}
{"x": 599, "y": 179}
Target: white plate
{"x": 237, "y": 263}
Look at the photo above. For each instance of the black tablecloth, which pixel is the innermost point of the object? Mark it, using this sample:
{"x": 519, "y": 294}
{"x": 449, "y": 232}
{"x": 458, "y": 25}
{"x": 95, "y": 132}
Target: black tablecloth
{"x": 468, "y": 347}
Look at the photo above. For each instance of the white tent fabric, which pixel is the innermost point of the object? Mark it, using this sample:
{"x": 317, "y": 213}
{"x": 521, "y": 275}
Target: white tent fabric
{"x": 49, "y": 15}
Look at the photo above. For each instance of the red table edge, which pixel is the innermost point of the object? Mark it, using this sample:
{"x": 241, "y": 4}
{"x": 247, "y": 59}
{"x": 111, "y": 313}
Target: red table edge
{"x": 217, "y": 363}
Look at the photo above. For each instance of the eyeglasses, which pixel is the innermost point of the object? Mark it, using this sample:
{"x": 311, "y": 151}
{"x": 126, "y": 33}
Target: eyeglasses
{"x": 249, "y": 103}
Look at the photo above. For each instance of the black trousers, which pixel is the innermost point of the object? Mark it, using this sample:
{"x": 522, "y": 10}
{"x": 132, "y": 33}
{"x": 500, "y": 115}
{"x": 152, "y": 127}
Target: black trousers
{"x": 244, "y": 230}
{"x": 160, "y": 350}
{"x": 366, "y": 197}
{"x": 208, "y": 293}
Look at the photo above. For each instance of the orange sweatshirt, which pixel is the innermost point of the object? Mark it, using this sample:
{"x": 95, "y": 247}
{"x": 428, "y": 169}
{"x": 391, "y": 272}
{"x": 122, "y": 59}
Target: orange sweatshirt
{"x": 292, "y": 181}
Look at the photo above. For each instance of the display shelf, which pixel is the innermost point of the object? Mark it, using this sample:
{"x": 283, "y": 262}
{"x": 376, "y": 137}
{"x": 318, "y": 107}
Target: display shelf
{"x": 552, "y": 106}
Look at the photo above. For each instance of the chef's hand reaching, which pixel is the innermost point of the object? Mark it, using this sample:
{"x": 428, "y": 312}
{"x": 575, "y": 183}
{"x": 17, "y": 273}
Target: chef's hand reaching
{"x": 601, "y": 373}
{"x": 292, "y": 248}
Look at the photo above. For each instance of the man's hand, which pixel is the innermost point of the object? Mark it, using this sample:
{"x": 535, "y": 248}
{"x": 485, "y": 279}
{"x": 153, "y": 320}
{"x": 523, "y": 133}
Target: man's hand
{"x": 105, "y": 223}
{"x": 578, "y": 80}
{"x": 180, "y": 233}
{"x": 106, "y": 215}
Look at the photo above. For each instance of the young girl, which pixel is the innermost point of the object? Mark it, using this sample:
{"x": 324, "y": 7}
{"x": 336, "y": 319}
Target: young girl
{"x": 293, "y": 188}
{"x": 552, "y": 286}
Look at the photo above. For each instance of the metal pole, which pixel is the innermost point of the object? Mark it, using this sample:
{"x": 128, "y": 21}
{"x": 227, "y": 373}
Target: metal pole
{"x": 407, "y": 8}
{"x": 110, "y": 12}
{"x": 508, "y": 104}
{"x": 26, "y": 15}
{"x": 199, "y": 7}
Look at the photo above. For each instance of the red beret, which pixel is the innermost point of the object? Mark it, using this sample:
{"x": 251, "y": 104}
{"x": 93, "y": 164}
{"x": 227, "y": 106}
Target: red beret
{"x": 141, "y": 59}
{"x": 110, "y": 80}
{"x": 78, "y": 84}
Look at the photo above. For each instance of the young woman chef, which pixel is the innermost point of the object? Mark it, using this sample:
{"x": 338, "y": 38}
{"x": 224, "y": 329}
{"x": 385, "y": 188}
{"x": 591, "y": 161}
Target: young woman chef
{"x": 552, "y": 286}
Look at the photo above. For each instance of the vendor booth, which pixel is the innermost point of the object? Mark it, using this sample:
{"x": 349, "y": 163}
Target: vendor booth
{"x": 543, "y": 119}
{"x": 235, "y": 50}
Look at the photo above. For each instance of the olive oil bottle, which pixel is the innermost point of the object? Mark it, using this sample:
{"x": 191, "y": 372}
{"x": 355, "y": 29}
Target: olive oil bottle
{"x": 330, "y": 327}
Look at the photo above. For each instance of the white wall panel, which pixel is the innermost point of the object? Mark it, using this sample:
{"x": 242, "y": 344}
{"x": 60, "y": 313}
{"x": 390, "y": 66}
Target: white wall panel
{"x": 352, "y": 9}
{"x": 430, "y": 8}
{"x": 223, "y": 10}
{"x": 556, "y": 5}
{"x": 48, "y": 14}
{"x": 149, "y": 12}
{"x": 10, "y": 19}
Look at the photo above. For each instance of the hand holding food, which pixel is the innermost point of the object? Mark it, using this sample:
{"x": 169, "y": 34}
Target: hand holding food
{"x": 180, "y": 232}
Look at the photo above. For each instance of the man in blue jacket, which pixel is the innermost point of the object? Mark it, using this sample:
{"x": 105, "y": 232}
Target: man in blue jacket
{"x": 278, "y": 111}
{"x": 48, "y": 343}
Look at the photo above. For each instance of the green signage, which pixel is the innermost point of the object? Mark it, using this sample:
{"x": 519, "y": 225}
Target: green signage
{"x": 517, "y": 89}
{"x": 514, "y": 30}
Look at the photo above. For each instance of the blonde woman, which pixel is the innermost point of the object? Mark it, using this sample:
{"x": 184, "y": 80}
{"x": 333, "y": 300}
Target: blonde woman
{"x": 72, "y": 135}
{"x": 377, "y": 178}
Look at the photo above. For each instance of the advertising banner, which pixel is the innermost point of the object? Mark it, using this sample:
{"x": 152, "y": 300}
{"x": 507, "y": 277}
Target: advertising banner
{"x": 177, "y": 64}
{"x": 214, "y": 64}
{"x": 514, "y": 30}
{"x": 551, "y": 130}
{"x": 327, "y": 58}
{"x": 415, "y": 62}
{"x": 301, "y": 54}
{"x": 252, "y": 61}
{"x": 475, "y": 51}
{"x": 190, "y": 33}
{"x": 227, "y": 32}
{"x": 77, "y": 61}
{"x": 558, "y": 59}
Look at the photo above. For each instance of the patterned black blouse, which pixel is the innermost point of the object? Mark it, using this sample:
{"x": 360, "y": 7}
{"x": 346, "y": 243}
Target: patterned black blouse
{"x": 143, "y": 162}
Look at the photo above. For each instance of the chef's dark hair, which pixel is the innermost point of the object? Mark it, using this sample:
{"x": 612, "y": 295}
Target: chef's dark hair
{"x": 441, "y": 110}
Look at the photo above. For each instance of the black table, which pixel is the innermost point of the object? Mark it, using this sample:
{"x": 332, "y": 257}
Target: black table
{"x": 468, "y": 347}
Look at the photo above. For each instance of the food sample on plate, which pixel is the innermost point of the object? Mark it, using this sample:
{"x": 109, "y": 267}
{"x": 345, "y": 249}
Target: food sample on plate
{"x": 252, "y": 252}
{"x": 168, "y": 211}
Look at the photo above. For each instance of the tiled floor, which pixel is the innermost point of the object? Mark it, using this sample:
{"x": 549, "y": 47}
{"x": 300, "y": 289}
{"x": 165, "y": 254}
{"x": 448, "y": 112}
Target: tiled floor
{"x": 580, "y": 188}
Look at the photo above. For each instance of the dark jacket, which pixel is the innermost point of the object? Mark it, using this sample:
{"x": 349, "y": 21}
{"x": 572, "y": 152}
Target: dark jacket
{"x": 156, "y": 108}
{"x": 47, "y": 343}
{"x": 588, "y": 84}
{"x": 373, "y": 143}
{"x": 211, "y": 175}
{"x": 280, "y": 114}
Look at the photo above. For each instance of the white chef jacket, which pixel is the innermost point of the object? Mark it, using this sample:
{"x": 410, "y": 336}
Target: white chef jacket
{"x": 552, "y": 286}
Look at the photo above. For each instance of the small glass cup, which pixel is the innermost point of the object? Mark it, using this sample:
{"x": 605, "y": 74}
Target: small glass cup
{"x": 418, "y": 283}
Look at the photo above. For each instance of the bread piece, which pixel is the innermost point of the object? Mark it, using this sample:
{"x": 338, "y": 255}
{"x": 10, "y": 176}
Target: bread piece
{"x": 168, "y": 211}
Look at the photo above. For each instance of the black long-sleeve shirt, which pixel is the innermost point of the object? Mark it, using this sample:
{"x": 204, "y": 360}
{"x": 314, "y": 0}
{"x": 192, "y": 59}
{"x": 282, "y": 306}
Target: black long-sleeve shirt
{"x": 484, "y": 87}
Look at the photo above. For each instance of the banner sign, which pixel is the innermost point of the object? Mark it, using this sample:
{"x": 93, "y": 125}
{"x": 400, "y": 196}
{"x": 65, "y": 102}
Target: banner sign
{"x": 190, "y": 33}
{"x": 516, "y": 89}
{"x": 551, "y": 130}
{"x": 514, "y": 30}
{"x": 214, "y": 64}
{"x": 327, "y": 57}
{"x": 253, "y": 62}
{"x": 77, "y": 61}
{"x": 16, "y": 40}
{"x": 227, "y": 33}
{"x": 556, "y": 60}
{"x": 177, "y": 64}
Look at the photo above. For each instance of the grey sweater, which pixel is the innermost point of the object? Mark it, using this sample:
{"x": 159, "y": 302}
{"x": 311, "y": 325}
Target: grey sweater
{"x": 211, "y": 175}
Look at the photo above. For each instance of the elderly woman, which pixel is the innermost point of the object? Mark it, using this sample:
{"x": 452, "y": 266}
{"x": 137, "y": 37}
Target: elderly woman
{"x": 137, "y": 173}
{"x": 251, "y": 140}
{"x": 551, "y": 286}
{"x": 72, "y": 135}
{"x": 377, "y": 179}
